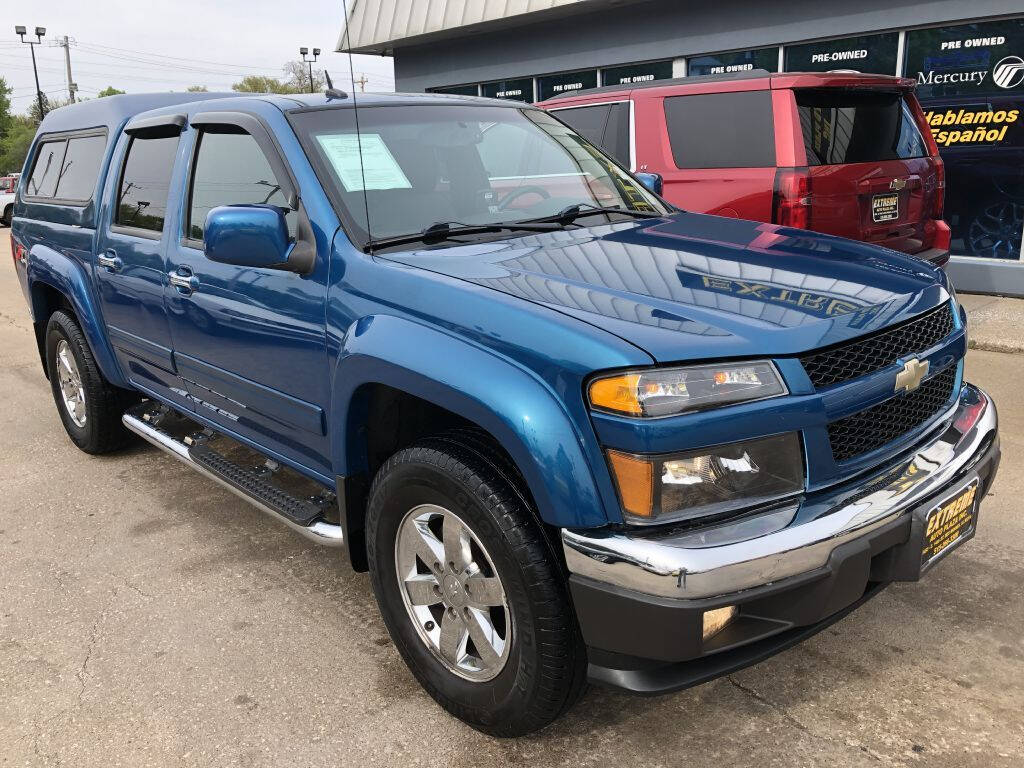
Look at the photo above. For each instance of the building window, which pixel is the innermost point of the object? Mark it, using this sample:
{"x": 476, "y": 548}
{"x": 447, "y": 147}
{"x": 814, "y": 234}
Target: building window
{"x": 867, "y": 53}
{"x": 970, "y": 80}
{"x": 515, "y": 90}
{"x": 637, "y": 73}
{"x": 456, "y": 90}
{"x": 734, "y": 61}
{"x": 550, "y": 86}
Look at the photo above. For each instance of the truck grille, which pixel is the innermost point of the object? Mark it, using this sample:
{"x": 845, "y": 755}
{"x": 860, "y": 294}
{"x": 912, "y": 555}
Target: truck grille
{"x": 872, "y": 353}
{"x": 874, "y": 427}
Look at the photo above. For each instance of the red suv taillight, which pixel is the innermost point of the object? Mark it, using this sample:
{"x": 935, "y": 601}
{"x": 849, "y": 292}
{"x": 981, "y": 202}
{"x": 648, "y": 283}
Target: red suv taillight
{"x": 791, "y": 203}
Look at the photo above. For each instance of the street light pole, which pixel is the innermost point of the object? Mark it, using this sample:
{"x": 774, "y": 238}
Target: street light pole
{"x": 316, "y": 52}
{"x": 20, "y": 31}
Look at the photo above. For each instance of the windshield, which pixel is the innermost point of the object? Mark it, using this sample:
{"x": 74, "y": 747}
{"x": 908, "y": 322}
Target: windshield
{"x": 460, "y": 164}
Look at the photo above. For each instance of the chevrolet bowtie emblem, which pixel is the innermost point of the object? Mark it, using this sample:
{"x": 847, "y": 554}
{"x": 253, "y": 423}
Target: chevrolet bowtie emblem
{"x": 913, "y": 373}
{"x": 897, "y": 184}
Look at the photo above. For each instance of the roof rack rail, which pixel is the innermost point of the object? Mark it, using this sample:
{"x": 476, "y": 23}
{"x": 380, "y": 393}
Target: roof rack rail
{"x": 747, "y": 74}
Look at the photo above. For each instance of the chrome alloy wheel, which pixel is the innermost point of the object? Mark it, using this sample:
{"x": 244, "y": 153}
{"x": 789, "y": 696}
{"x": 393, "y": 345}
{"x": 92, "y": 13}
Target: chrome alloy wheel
{"x": 452, "y": 593}
{"x": 70, "y": 381}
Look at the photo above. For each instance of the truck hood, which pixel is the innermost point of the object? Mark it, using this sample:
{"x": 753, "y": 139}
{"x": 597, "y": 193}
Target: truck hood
{"x": 690, "y": 286}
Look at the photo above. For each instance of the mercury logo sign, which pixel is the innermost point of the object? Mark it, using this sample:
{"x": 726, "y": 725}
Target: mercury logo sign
{"x": 1009, "y": 72}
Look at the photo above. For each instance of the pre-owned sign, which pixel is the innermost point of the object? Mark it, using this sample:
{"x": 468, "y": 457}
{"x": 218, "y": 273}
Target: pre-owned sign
{"x": 866, "y": 53}
{"x": 549, "y": 86}
{"x": 636, "y": 73}
{"x": 517, "y": 90}
{"x": 734, "y": 61}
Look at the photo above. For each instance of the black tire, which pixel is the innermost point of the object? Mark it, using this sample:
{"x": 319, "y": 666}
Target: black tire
{"x": 8, "y": 214}
{"x": 102, "y": 430}
{"x": 545, "y": 670}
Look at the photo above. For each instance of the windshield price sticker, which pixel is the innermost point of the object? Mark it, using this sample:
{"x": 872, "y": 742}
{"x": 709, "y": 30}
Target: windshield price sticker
{"x": 379, "y": 168}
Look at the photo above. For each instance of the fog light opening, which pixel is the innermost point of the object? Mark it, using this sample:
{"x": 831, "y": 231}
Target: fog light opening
{"x": 717, "y": 620}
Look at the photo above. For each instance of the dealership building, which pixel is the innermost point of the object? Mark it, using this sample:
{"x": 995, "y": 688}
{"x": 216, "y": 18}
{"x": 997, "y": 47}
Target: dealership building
{"x": 966, "y": 57}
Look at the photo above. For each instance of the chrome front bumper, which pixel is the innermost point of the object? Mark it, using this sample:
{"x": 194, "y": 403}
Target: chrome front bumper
{"x": 781, "y": 543}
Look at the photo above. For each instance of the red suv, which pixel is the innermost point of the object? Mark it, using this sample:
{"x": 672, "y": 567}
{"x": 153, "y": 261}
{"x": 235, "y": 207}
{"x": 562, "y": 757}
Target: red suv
{"x": 838, "y": 152}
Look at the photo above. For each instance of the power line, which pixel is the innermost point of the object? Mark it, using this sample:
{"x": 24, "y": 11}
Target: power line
{"x": 167, "y": 56}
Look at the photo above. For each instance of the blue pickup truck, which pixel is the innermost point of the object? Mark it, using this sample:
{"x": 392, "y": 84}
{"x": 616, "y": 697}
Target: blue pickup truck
{"x": 571, "y": 431}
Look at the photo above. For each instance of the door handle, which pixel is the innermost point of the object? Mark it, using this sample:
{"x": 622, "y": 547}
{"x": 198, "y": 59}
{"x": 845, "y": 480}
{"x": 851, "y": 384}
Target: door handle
{"x": 110, "y": 261}
{"x": 183, "y": 280}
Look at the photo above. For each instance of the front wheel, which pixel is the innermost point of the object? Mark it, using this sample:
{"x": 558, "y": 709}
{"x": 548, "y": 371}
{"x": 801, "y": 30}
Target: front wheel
{"x": 89, "y": 406}
{"x": 469, "y": 589}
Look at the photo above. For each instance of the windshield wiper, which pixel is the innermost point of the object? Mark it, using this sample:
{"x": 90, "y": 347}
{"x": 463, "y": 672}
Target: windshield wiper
{"x": 445, "y": 230}
{"x": 570, "y": 213}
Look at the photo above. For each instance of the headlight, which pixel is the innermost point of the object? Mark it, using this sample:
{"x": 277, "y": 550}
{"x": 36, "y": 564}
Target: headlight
{"x": 668, "y": 391}
{"x": 709, "y": 481}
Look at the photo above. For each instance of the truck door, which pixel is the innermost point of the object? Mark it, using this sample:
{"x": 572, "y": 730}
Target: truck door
{"x": 250, "y": 342}
{"x": 130, "y": 269}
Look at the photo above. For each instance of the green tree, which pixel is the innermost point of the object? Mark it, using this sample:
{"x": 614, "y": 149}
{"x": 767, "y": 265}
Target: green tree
{"x": 5, "y": 110}
{"x": 14, "y": 146}
{"x": 108, "y": 91}
{"x": 297, "y": 76}
{"x": 262, "y": 84}
{"x": 197, "y": 89}
{"x": 48, "y": 106}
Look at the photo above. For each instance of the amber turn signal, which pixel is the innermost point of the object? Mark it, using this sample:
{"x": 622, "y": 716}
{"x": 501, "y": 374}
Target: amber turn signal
{"x": 634, "y": 478}
{"x": 617, "y": 393}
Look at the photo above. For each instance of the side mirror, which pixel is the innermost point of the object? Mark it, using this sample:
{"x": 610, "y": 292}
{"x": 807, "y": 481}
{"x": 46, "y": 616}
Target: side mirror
{"x": 247, "y": 235}
{"x": 652, "y": 181}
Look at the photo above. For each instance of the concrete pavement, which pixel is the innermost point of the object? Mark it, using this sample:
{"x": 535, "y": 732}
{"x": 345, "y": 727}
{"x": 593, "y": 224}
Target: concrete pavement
{"x": 995, "y": 323}
{"x": 148, "y": 617}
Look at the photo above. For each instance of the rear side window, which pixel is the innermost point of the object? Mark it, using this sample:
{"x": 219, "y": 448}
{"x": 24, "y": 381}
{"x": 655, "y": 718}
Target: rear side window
{"x": 605, "y": 125}
{"x": 722, "y": 130}
{"x": 81, "y": 168}
{"x": 145, "y": 183}
{"x": 231, "y": 169}
{"x": 857, "y": 127}
{"x": 43, "y": 181}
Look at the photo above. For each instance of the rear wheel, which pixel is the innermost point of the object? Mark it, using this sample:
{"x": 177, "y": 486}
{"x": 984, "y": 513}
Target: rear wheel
{"x": 469, "y": 589}
{"x": 8, "y": 214}
{"x": 89, "y": 406}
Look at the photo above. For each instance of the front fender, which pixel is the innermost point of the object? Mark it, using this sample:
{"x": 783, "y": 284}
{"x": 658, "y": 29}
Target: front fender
{"x": 67, "y": 275}
{"x": 516, "y": 407}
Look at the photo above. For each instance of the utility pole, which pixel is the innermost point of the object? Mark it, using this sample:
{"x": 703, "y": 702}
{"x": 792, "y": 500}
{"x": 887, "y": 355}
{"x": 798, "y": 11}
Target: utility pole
{"x": 20, "y": 31}
{"x": 362, "y": 82}
{"x": 316, "y": 52}
{"x": 65, "y": 43}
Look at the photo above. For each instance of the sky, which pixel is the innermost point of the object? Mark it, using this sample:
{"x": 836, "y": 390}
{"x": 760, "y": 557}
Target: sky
{"x": 168, "y": 45}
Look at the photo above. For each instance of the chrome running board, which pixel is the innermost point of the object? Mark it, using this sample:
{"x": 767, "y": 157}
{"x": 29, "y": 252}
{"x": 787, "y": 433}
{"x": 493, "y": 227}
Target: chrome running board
{"x": 145, "y": 421}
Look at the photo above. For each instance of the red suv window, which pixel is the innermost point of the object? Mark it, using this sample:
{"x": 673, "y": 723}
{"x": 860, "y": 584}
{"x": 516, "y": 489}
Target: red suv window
{"x": 606, "y": 125}
{"x": 842, "y": 127}
{"x": 722, "y": 130}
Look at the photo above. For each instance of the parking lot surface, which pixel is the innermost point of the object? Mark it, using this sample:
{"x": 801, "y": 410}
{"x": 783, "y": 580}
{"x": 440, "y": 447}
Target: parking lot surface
{"x": 148, "y": 617}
